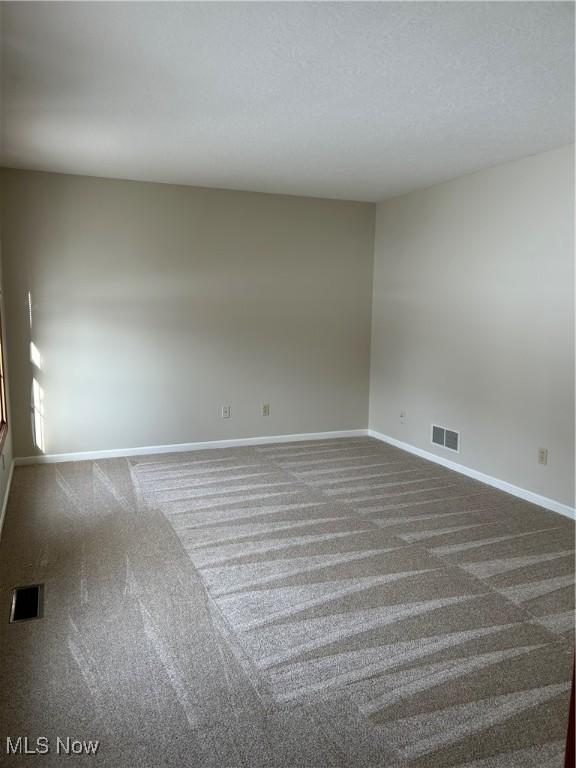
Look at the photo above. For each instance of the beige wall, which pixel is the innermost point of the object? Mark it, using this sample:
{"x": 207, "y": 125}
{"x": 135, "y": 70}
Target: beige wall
{"x": 473, "y": 320}
{"x": 6, "y": 455}
{"x": 153, "y": 304}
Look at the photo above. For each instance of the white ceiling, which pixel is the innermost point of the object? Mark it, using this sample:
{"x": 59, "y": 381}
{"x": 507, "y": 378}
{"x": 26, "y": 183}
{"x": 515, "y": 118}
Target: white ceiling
{"x": 347, "y": 100}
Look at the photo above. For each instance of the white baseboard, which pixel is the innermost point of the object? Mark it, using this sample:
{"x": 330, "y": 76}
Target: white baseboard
{"x": 53, "y": 458}
{"x": 502, "y": 485}
{"x": 6, "y": 494}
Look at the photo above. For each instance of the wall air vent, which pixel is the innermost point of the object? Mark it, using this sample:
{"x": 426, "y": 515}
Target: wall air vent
{"x": 447, "y": 438}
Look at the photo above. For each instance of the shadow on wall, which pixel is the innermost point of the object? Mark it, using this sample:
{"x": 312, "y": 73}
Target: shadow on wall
{"x": 37, "y": 393}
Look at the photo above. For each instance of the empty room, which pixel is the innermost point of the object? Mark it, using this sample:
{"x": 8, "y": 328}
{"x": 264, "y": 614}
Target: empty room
{"x": 287, "y": 396}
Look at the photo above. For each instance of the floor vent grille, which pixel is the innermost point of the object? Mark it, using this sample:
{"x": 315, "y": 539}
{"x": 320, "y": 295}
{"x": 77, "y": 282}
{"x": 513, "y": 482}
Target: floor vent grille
{"x": 27, "y": 603}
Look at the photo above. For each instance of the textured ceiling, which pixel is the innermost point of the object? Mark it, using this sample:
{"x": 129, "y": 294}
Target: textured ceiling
{"x": 347, "y": 100}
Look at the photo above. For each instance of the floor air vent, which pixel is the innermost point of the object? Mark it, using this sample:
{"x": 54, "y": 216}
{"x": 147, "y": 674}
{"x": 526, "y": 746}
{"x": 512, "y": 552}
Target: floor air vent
{"x": 447, "y": 438}
{"x": 27, "y": 603}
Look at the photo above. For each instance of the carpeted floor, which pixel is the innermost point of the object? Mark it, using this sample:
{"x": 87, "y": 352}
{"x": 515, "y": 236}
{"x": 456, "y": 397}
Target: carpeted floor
{"x": 307, "y": 605}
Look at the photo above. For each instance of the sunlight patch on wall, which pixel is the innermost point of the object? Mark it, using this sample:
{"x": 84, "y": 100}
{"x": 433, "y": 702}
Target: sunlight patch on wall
{"x": 35, "y": 356}
{"x": 37, "y": 403}
{"x": 38, "y": 414}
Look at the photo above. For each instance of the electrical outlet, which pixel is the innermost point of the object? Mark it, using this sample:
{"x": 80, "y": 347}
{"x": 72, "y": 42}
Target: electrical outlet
{"x": 265, "y": 409}
{"x": 225, "y": 412}
{"x": 402, "y": 416}
{"x": 542, "y": 455}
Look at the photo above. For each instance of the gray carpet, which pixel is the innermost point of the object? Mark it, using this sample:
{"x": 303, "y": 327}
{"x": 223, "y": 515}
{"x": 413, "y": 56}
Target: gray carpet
{"x": 330, "y": 603}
